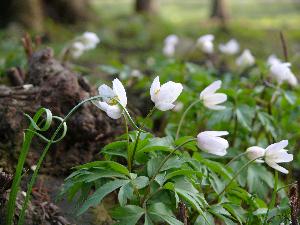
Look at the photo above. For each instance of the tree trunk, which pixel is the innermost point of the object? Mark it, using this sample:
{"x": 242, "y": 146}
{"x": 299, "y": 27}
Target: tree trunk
{"x": 219, "y": 10}
{"x": 145, "y": 6}
{"x": 31, "y": 13}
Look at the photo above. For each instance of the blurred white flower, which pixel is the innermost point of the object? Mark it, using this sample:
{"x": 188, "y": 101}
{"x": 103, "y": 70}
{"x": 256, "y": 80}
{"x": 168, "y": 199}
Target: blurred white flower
{"x": 27, "y": 86}
{"x": 136, "y": 73}
{"x": 178, "y": 107}
{"x": 211, "y": 99}
{"x": 246, "y": 59}
{"x": 23, "y": 193}
{"x": 165, "y": 95}
{"x": 281, "y": 72}
{"x": 275, "y": 153}
{"x": 255, "y": 152}
{"x": 33, "y": 167}
{"x": 89, "y": 40}
{"x": 206, "y": 44}
{"x": 272, "y": 60}
{"x": 230, "y": 48}
{"x": 76, "y": 49}
{"x": 170, "y": 45}
{"x": 110, "y": 98}
{"x": 211, "y": 142}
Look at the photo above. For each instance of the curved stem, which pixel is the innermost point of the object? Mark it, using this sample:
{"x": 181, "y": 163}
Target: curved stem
{"x": 34, "y": 176}
{"x": 184, "y": 115}
{"x": 273, "y": 200}
{"x": 235, "y": 158}
{"x": 236, "y": 174}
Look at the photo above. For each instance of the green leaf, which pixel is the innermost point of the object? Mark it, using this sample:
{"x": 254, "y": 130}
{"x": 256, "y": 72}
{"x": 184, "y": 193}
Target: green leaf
{"x": 125, "y": 192}
{"x": 128, "y": 215}
{"x": 140, "y": 182}
{"x": 100, "y": 193}
{"x": 268, "y": 122}
{"x": 110, "y": 165}
{"x": 186, "y": 172}
{"x": 201, "y": 219}
{"x": 245, "y": 115}
{"x": 148, "y": 220}
{"x": 117, "y": 148}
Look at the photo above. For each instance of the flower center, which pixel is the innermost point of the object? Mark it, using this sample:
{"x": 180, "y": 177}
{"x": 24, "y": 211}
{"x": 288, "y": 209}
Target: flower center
{"x": 113, "y": 101}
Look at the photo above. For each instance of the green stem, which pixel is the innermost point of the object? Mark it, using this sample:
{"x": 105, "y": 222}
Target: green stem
{"x": 128, "y": 150}
{"x": 273, "y": 200}
{"x": 184, "y": 115}
{"x": 139, "y": 133}
{"x": 235, "y": 158}
{"x": 34, "y": 176}
{"x": 235, "y": 175}
{"x": 162, "y": 164}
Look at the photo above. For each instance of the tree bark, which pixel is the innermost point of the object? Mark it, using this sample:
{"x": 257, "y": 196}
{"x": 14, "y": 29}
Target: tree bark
{"x": 145, "y": 6}
{"x": 219, "y": 10}
{"x": 31, "y": 13}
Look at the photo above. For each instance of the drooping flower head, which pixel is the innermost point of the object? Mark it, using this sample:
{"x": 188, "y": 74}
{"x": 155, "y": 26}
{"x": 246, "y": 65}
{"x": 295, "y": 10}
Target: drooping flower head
{"x": 211, "y": 99}
{"x": 246, "y": 59}
{"x": 206, "y": 44}
{"x": 272, "y": 155}
{"x": 165, "y": 95}
{"x": 281, "y": 72}
{"x": 230, "y": 48}
{"x": 111, "y": 97}
{"x": 211, "y": 142}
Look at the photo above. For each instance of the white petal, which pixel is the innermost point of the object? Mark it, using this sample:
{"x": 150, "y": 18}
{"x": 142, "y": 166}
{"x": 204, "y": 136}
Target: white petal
{"x": 215, "y": 107}
{"x": 106, "y": 92}
{"x": 211, "y": 144}
{"x": 276, "y": 146}
{"x": 169, "y": 92}
{"x": 255, "y": 152}
{"x": 279, "y": 156}
{"x": 155, "y": 87}
{"x": 215, "y": 99}
{"x": 101, "y": 105}
{"x": 211, "y": 89}
{"x": 165, "y": 106}
{"x": 120, "y": 91}
{"x": 216, "y": 133}
{"x": 114, "y": 112}
{"x": 277, "y": 167}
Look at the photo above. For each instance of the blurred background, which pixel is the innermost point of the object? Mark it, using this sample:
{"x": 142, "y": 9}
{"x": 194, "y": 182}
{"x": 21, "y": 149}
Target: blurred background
{"x": 133, "y": 30}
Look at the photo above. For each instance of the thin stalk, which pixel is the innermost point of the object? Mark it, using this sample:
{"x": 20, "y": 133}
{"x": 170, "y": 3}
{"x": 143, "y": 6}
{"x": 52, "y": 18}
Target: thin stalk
{"x": 184, "y": 115}
{"x": 128, "y": 150}
{"x": 162, "y": 164}
{"x": 235, "y": 175}
{"x": 34, "y": 176}
{"x": 139, "y": 133}
{"x": 273, "y": 200}
{"x": 235, "y": 158}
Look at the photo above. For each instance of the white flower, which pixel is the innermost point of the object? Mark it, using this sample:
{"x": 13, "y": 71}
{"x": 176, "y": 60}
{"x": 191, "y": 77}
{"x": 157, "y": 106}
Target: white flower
{"x": 170, "y": 44}
{"x": 110, "y": 98}
{"x": 33, "y": 167}
{"x": 211, "y": 142}
{"x": 76, "y": 49}
{"x": 230, "y": 48}
{"x": 281, "y": 72}
{"x": 275, "y": 153}
{"x": 211, "y": 99}
{"x": 206, "y": 44}
{"x": 272, "y": 60}
{"x": 255, "y": 152}
{"x": 272, "y": 155}
{"x": 165, "y": 95}
{"x": 246, "y": 59}
{"x": 169, "y": 50}
{"x": 89, "y": 40}
{"x": 172, "y": 39}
